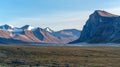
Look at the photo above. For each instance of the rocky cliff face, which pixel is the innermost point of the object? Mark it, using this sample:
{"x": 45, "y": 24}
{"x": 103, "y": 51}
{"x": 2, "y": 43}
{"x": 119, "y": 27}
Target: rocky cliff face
{"x": 101, "y": 27}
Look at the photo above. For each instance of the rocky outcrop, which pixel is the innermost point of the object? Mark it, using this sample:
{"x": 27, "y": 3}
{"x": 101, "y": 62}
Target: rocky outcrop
{"x": 101, "y": 27}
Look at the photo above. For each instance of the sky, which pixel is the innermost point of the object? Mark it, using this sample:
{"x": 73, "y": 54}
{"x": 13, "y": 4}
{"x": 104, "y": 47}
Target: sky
{"x": 56, "y": 14}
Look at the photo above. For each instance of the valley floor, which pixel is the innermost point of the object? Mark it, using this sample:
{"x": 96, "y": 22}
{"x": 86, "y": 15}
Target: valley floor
{"x": 62, "y": 56}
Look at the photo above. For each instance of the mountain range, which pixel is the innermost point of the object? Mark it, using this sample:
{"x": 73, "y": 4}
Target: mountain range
{"x": 36, "y": 35}
{"x": 101, "y": 27}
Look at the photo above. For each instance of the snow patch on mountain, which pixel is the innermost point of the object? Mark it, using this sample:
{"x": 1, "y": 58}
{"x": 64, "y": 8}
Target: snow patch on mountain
{"x": 48, "y": 29}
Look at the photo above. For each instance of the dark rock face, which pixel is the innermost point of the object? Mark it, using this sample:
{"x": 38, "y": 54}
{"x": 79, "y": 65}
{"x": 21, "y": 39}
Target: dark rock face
{"x": 101, "y": 27}
{"x": 38, "y": 34}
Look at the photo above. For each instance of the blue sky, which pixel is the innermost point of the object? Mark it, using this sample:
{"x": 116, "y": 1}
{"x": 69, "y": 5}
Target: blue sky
{"x": 56, "y": 14}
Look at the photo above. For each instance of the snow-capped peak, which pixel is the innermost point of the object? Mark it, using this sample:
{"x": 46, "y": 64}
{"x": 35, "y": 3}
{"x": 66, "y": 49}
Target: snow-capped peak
{"x": 49, "y": 30}
{"x": 6, "y": 27}
{"x": 28, "y": 27}
{"x": 10, "y": 25}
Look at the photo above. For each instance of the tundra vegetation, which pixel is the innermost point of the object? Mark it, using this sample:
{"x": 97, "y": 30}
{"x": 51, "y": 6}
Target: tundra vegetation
{"x": 54, "y": 56}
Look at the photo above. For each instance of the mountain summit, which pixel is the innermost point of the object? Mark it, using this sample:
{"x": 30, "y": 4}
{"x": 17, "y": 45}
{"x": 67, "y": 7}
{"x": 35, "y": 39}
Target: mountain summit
{"x": 104, "y": 13}
{"x": 28, "y": 27}
{"x": 48, "y": 29}
{"x": 6, "y": 27}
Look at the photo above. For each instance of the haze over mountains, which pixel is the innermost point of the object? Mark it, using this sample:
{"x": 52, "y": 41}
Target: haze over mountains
{"x": 101, "y": 27}
{"x": 30, "y": 35}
